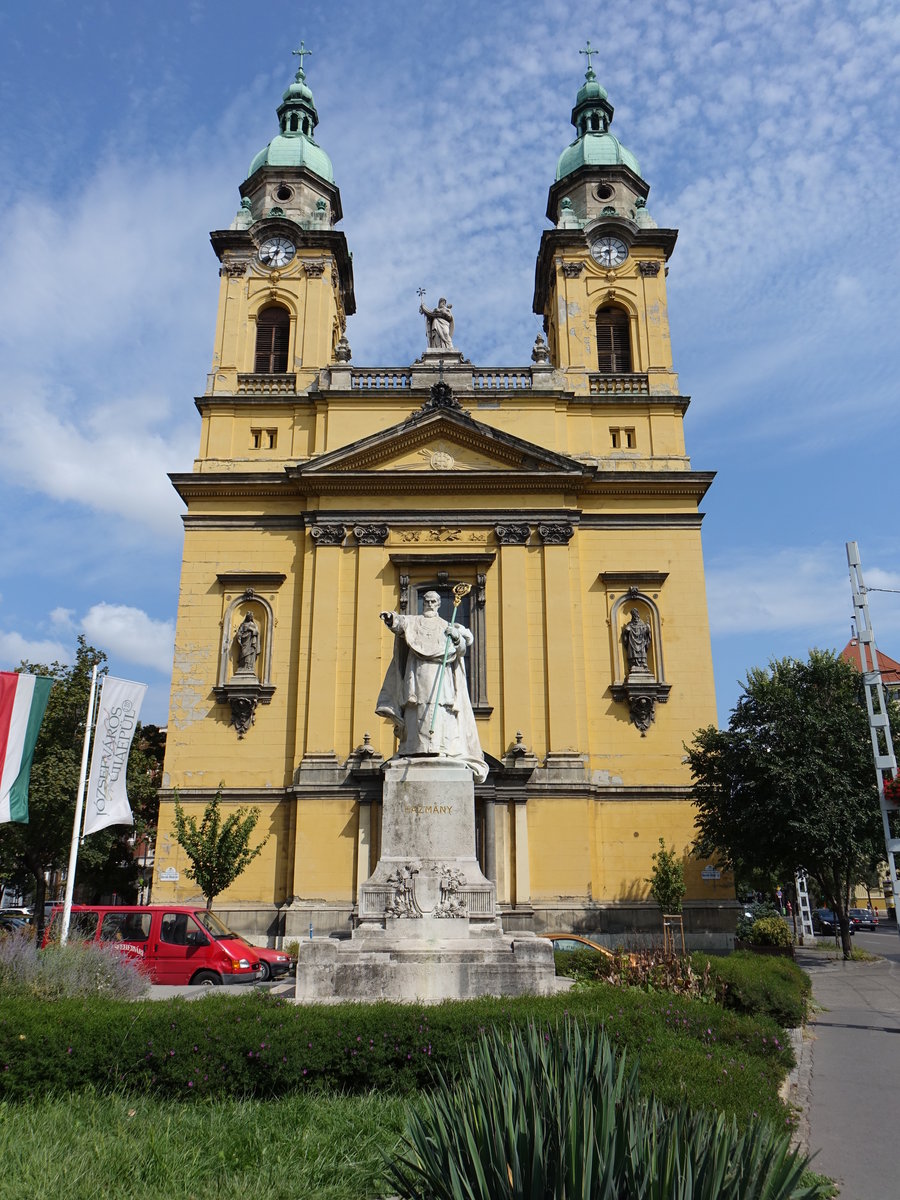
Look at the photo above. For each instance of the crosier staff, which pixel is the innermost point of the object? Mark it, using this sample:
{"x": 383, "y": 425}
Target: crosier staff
{"x": 459, "y": 590}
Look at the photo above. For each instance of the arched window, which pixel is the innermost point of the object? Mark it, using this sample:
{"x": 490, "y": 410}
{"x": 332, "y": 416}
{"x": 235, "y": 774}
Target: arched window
{"x": 273, "y": 327}
{"x": 613, "y": 341}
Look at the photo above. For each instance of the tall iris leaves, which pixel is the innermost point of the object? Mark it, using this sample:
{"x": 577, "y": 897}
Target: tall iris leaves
{"x": 555, "y": 1115}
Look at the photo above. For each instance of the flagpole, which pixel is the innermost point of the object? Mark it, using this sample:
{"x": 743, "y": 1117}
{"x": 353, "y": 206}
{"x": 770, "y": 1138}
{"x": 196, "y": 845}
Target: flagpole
{"x": 79, "y": 808}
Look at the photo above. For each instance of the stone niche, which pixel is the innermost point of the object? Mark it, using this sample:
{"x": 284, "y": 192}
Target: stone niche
{"x": 641, "y": 686}
{"x": 243, "y": 678}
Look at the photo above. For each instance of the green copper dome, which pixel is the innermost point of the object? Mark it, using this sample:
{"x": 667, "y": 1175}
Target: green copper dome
{"x": 295, "y": 146}
{"x": 595, "y": 150}
{"x": 595, "y": 146}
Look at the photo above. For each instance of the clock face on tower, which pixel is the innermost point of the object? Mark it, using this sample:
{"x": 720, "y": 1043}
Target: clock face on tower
{"x": 609, "y": 251}
{"x": 276, "y": 252}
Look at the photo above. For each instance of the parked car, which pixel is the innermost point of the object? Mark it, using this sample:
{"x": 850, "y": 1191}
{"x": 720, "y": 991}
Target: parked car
{"x": 178, "y": 944}
{"x": 824, "y": 921}
{"x": 272, "y": 963}
{"x": 865, "y": 918}
{"x": 10, "y": 924}
{"x": 574, "y": 941}
{"x": 20, "y": 914}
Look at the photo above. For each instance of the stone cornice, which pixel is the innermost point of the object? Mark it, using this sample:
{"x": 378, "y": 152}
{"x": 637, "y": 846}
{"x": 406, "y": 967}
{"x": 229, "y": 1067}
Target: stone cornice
{"x": 651, "y": 483}
{"x": 203, "y": 484}
{"x": 293, "y": 481}
{"x": 474, "y": 400}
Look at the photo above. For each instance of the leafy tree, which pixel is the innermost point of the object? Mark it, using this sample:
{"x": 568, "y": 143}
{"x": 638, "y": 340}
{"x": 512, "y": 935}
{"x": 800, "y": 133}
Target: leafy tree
{"x": 219, "y": 849}
{"x": 31, "y": 852}
{"x": 790, "y": 783}
{"x": 666, "y": 881}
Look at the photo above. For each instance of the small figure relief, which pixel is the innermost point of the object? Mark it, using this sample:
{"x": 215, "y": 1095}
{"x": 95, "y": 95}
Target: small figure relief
{"x": 438, "y": 325}
{"x": 443, "y": 534}
{"x": 636, "y": 640}
{"x": 247, "y": 641}
{"x": 424, "y": 690}
{"x": 403, "y": 901}
{"x": 451, "y": 904}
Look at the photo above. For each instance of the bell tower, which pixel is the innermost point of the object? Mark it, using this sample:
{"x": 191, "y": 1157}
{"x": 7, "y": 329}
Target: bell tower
{"x": 600, "y": 281}
{"x": 286, "y": 275}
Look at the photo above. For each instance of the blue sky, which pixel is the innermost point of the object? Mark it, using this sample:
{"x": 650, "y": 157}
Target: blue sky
{"x": 768, "y": 134}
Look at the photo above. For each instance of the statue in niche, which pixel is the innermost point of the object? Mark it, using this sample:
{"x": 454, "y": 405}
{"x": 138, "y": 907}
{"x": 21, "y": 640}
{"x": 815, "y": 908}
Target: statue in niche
{"x": 247, "y": 640}
{"x": 636, "y": 639}
{"x": 438, "y": 325}
{"x": 424, "y": 690}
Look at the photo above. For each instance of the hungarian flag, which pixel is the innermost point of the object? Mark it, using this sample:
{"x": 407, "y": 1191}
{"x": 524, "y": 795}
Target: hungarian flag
{"x": 23, "y": 699}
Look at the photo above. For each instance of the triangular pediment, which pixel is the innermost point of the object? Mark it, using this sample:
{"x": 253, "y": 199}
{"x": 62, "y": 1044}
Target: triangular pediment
{"x": 441, "y": 441}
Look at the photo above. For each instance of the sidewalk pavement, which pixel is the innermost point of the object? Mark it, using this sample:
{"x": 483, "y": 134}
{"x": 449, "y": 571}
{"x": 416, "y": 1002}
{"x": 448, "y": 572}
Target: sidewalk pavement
{"x": 848, "y": 1074}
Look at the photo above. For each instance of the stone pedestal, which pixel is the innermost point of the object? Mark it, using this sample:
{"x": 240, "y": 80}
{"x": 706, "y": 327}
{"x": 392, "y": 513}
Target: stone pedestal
{"x": 428, "y": 927}
{"x": 428, "y": 864}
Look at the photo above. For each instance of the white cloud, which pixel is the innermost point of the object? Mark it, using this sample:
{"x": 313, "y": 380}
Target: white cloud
{"x": 61, "y": 618}
{"x": 801, "y": 589}
{"x": 103, "y": 460}
{"x": 14, "y": 648}
{"x": 131, "y": 634}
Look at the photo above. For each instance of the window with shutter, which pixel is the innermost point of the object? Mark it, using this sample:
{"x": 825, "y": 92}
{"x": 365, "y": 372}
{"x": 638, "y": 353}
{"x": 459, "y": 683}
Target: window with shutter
{"x": 613, "y": 342}
{"x": 273, "y": 327}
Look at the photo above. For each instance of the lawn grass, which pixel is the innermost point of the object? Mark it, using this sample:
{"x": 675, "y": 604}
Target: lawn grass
{"x": 298, "y": 1119}
{"x": 114, "y": 1147}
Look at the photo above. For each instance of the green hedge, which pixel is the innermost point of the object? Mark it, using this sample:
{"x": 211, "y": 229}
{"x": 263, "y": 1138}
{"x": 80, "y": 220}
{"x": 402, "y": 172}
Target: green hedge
{"x": 761, "y": 983}
{"x": 257, "y": 1045}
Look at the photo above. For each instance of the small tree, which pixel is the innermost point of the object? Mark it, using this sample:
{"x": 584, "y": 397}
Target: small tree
{"x": 219, "y": 849}
{"x": 790, "y": 783}
{"x": 667, "y": 885}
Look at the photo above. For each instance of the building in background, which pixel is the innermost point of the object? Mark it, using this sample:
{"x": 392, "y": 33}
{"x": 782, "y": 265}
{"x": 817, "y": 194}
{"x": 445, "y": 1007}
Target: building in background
{"x": 559, "y": 490}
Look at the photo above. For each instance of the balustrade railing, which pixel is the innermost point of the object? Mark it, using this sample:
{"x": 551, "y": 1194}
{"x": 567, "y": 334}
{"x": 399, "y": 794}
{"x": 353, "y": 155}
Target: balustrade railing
{"x": 262, "y": 385}
{"x": 619, "y": 385}
{"x": 502, "y": 379}
{"x": 380, "y": 380}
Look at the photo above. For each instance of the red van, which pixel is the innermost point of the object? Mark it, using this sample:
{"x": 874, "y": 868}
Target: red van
{"x": 178, "y": 943}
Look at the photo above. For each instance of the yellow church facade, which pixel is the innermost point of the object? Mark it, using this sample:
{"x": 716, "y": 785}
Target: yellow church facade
{"x": 559, "y": 492}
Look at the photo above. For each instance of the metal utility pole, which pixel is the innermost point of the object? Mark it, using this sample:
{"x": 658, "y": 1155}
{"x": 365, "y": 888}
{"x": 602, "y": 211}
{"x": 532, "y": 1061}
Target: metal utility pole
{"x": 879, "y": 725}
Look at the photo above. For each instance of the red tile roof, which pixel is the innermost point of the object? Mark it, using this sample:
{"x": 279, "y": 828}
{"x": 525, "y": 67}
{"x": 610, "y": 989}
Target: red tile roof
{"x": 890, "y": 670}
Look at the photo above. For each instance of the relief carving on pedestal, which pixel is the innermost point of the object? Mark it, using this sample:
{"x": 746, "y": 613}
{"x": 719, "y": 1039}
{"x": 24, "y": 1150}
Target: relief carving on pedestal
{"x": 403, "y": 901}
{"x": 451, "y": 904}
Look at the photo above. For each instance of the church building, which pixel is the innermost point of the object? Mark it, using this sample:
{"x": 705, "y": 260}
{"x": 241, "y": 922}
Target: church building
{"x": 557, "y": 492}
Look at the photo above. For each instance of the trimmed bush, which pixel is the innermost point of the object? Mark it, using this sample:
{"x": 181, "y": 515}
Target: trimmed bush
{"x": 770, "y": 931}
{"x": 759, "y": 908}
{"x": 258, "y": 1045}
{"x": 752, "y": 983}
{"x": 557, "y": 1112}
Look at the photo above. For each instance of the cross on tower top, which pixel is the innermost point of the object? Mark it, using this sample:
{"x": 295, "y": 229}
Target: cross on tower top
{"x": 590, "y": 51}
{"x": 303, "y": 51}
